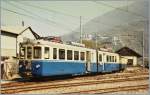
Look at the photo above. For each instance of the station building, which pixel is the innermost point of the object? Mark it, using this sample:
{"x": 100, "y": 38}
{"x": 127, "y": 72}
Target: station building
{"x": 128, "y": 56}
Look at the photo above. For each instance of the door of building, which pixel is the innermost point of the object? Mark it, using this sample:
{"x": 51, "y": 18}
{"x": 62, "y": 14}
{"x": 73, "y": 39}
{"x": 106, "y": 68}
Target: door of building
{"x": 130, "y": 62}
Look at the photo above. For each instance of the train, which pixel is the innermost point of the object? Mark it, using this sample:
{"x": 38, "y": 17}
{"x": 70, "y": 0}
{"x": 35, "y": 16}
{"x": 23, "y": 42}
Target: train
{"x": 41, "y": 58}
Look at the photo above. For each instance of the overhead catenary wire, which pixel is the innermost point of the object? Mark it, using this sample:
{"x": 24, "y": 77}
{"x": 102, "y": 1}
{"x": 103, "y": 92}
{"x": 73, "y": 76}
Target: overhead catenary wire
{"x": 68, "y": 15}
{"x": 43, "y": 19}
{"x": 123, "y": 10}
{"x": 51, "y": 11}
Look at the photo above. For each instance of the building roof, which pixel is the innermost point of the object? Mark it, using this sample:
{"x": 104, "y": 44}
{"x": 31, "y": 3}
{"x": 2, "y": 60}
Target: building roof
{"x": 18, "y": 30}
{"x": 125, "y": 51}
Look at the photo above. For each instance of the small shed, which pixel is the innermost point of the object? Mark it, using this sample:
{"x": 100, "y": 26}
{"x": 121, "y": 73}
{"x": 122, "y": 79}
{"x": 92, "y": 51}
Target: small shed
{"x": 128, "y": 56}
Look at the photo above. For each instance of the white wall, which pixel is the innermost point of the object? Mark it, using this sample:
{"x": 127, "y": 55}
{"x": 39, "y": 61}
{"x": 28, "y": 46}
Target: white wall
{"x": 8, "y": 46}
{"x": 125, "y": 59}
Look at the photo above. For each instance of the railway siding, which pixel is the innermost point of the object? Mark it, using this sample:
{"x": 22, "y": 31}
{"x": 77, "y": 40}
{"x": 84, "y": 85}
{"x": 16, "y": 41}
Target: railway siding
{"x": 125, "y": 81}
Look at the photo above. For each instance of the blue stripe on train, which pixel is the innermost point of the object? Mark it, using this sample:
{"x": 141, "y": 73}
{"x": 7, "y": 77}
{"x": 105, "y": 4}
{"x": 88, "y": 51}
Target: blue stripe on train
{"x": 49, "y": 68}
{"x": 58, "y": 67}
{"x": 107, "y": 67}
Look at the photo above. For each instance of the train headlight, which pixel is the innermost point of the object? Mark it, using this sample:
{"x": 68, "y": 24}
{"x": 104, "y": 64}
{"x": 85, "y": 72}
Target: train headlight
{"x": 20, "y": 66}
{"x": 38, "y": 66}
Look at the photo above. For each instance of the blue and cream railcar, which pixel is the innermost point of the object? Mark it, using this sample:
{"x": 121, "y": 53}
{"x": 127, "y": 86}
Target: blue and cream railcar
{"x": 107, "y": 62}
{"x": 48, "y": 58}
{"x": 43, "y": 58}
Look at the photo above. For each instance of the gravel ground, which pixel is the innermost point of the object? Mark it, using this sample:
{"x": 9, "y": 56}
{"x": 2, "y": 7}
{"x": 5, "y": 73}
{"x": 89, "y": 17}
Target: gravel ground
{"x": 99, "y": 86}
{"x": 90, "y": 87}
{"x": 134, "y": 70}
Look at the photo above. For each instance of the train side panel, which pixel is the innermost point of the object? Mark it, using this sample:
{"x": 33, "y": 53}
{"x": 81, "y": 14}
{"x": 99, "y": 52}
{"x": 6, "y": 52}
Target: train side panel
{"x": 50, "y": 67}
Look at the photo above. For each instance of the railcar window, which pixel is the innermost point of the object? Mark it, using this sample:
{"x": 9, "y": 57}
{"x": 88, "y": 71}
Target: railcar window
{"x": 46, "y": 53}
{"x": 54, "y": 53}
{"x": 22, "y": 52}
{"x": 115, "y": 59}
{"x": 82, "y": 55}
{"x": 76, "y": 55}
{"x": 112, "y": 58}
{"x": 69, "y": 54}
{"x": 107, "y": 58}
{"x": 100, "y": 57}
{"x": 37, "y": 52}
{"x": 61, "y": 54}
{"x": 29, "y": 52}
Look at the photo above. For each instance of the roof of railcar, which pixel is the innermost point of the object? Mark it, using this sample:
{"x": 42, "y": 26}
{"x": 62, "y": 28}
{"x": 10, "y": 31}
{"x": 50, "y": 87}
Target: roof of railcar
{"x": 54, "y": 44}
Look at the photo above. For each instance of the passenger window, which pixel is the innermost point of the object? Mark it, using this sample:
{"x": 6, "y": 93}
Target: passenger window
{"x": 46, "y": 53}
{"x": 82, "y": 55}
{"x": 29, "y": 52}
{"x": 37, "y": 52}
{"x": 69, "y": 54}
{"x": 76, "y": 55}
{"x": 54, "y": 53}
{"x": 61, "y": 54}
{"x": 115, "y": 59}
{"x": 100, "y": 57}
{"x": 107, "y": 58}
{"x": 112, "y": 58}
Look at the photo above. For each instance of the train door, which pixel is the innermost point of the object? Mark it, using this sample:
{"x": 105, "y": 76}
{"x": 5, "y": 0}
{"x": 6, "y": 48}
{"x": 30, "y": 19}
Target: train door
{"x": 88, "y": 60}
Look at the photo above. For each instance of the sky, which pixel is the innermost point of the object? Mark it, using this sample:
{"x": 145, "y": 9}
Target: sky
{"x": 55, "y": 18}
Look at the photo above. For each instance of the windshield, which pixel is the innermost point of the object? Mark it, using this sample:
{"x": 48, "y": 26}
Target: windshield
{"x": 29, "y": 52}
{"x": 22, "y": 52}
{"x": 37, "y": 52}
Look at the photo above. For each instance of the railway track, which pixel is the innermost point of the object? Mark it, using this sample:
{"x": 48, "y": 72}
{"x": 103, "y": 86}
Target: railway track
{"x": 63, "y": 85}
{"x": 111, "y": 90}
{"x": 27, "y": 83}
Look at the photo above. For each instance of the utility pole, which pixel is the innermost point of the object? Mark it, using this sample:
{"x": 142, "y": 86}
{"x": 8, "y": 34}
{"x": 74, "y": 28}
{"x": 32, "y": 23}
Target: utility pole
{"x": 96, "y": 42}
{"x": 143, "y": 48}
{"x": 80, "y": 30}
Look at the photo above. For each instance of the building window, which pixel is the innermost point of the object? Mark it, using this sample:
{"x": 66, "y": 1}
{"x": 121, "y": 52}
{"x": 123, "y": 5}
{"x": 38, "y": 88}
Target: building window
{"x": 76, "y": 55}
{"x": 100, "y": 57}
{"x": 29, "y": 52}
{"x": 22, "y": 52}
{"x": 46, "y": 53}
{"x": 69, "y": 54}
{"x": 82, "y": 55}
{"x": 54, "y": 53}
{"x": 37, "y": 52}
{"x": 61, "y": 53}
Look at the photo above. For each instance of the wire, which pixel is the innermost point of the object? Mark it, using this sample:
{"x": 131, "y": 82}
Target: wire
{"x": 50, "y": 10}
{"x": 46, "y": 20}
{"x": 123, "y": 10}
